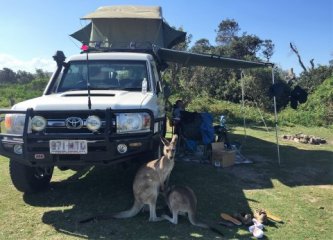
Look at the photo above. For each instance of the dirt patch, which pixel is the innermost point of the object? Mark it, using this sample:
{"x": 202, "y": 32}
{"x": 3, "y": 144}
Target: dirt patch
{"x": 253, "y": 175}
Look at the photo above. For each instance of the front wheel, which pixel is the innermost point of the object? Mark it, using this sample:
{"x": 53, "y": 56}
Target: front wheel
{"x": 30, "y": 179}
{"x": 156, "y": 152}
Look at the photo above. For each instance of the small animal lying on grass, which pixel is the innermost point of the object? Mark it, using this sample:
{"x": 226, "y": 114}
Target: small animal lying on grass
{"x": 182, "y": 200}
{"x": 148, "y": 181}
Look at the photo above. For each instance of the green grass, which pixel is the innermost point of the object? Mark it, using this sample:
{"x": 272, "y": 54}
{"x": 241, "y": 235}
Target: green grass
{"x": 300, "y": 191}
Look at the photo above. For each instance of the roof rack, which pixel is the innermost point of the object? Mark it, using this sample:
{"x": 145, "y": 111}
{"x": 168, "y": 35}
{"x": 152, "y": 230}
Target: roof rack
{"x": 105, "y": 46}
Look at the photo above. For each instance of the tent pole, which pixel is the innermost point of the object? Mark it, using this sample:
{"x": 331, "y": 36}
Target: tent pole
{"x": 276, "y": 121}
{"x": 243, "y": 104}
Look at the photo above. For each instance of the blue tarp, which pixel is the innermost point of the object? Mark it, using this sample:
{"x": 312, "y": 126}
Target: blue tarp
{"x": 206, "y": 128}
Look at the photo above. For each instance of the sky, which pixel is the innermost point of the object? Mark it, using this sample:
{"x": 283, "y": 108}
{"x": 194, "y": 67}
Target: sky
{"x": 33, "y": 30}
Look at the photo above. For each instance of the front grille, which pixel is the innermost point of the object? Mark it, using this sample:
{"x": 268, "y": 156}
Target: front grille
{"x": 56, "y": 122}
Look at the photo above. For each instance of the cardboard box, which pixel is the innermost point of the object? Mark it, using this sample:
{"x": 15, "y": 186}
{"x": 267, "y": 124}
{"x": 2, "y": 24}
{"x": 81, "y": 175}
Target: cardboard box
{"x": 223, "y": 158}
{"x": 217, "y": 146}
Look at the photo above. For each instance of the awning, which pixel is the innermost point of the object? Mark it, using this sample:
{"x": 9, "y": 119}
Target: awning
{"x": 208, "y": 60}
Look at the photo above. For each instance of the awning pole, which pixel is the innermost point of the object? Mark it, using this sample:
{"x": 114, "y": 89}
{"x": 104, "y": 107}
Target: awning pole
{"x": 276, "y": 121}
{"x": 243, "y": 104}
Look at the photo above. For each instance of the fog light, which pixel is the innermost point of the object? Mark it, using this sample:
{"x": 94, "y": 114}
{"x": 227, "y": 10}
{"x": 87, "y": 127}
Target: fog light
{"x": 38, "y": 123}
{"x": 122, "y": 148}
{"x": 93, "y": 123}
{"x": 18, "y": 149}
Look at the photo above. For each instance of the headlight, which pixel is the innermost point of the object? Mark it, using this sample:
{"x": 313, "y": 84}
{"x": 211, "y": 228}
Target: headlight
{"x": 93, "y": 123}
{"x": 133, "y": 122}
{"x": 38, "y": 123}
{"x": 14, "y": 123}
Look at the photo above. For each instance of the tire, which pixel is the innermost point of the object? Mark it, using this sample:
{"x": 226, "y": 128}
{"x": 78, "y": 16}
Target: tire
{"x": 157, "y": 151}
{"x": 164, "y": 128}
{"x": 29, "y": 179}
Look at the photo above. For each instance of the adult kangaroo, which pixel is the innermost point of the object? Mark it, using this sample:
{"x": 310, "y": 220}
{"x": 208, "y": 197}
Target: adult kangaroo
{"x": 148, "y": 182}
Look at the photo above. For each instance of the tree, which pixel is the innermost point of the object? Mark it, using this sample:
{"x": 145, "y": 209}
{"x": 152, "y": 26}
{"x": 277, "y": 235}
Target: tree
{"x": 311, "y": 79}
{"x": 173, "y": 74}
{"x": 24, "y": 77}
{"x": 202, "y": 46}
{"x": 257, "y": 84}
{"x": 268, "y": 50}
{"x": 7, "y": 76}
{"x": 295, "y": 50}
{"x": 40, "y": 74}
{"x": 227, "y": 30}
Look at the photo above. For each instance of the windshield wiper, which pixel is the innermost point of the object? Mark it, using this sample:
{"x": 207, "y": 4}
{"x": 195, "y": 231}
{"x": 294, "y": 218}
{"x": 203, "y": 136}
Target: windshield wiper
{"x": 132, "y": 89}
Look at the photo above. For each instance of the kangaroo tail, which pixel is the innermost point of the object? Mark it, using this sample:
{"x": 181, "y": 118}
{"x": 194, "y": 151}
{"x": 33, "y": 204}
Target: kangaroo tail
{"x": 137, "y": 206}
{"x": 194, "y": 222}
{"x": 124, "y": 214}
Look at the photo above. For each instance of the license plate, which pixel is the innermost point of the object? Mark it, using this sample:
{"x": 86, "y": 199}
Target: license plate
{"x": 68, "y": 147}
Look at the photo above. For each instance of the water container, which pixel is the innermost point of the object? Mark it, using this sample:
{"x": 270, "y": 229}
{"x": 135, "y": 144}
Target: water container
{"x": 222, "y": 121}
{"x": 144, "y": 86}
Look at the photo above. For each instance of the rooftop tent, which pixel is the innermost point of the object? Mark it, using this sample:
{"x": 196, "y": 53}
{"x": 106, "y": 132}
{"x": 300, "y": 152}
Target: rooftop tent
{"x": 120, "y": 26}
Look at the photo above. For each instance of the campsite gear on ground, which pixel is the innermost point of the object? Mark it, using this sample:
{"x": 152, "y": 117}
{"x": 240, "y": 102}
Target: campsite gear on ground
{"x": 257, "y": 229}
{"x": 222, "y": 121}
{"x": 221, "y": 157}
{"x": 260, "y": 215}
{"x": 226, "y": 223}
{"x": 196, "y": 135}
{"x": 273, "y": 217}
{"x": 245, "y": 218}
{"x": 240, "y": 158}
{"x": 229, "y": 218}
{"x": 221, "y": 132}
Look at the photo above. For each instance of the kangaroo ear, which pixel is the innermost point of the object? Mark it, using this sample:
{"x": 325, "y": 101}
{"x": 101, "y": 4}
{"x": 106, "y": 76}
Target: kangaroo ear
{"x": 174, "y": 138}
{"x": 164, "y": 141}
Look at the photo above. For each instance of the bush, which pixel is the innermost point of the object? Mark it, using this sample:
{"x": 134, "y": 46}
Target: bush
{"x": 315, "y": 77}
{"x": 317, "y": 111}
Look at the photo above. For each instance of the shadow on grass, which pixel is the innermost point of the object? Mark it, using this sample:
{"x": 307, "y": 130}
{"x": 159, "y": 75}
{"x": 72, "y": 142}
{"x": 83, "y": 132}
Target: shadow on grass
{"x": 106, "y": 190}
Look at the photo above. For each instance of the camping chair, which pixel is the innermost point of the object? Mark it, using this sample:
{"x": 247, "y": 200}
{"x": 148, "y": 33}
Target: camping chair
{"x": 196, "y": 133}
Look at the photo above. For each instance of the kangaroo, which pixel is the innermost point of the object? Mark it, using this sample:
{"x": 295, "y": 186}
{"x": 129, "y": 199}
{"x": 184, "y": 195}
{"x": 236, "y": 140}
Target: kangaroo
{"x": 182, "y": 200}
{"x": 148, "y": 181}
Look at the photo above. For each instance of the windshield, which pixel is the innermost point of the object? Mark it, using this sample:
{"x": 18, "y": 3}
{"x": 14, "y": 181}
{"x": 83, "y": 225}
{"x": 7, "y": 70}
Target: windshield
{"x": 103, "y": 75}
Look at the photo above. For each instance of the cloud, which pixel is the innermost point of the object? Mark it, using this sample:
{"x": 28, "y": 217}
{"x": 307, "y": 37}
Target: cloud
{"x": 8, "y": 61}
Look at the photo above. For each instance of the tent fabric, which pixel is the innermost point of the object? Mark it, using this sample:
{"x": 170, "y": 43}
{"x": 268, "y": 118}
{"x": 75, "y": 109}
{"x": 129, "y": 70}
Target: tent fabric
{"x": 196, "y": 59}
{"x": 139, "y": 12}
{"x": 83, "y": 35}
{"x": 121, "y": 27}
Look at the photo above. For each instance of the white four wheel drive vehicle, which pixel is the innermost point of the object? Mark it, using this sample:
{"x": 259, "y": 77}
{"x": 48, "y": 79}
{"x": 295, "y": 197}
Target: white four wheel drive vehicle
{"x": 103, "y": 106}
{"x": 103, "y": 110}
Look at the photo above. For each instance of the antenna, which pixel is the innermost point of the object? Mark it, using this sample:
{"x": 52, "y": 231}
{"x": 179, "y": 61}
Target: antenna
{"x": 85, "y": 48}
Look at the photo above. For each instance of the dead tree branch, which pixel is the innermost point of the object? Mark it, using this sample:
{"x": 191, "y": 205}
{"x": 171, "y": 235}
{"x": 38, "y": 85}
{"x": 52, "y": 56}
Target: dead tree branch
{"x": 294, "y": 48}
{"x": 312, "y": 63}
